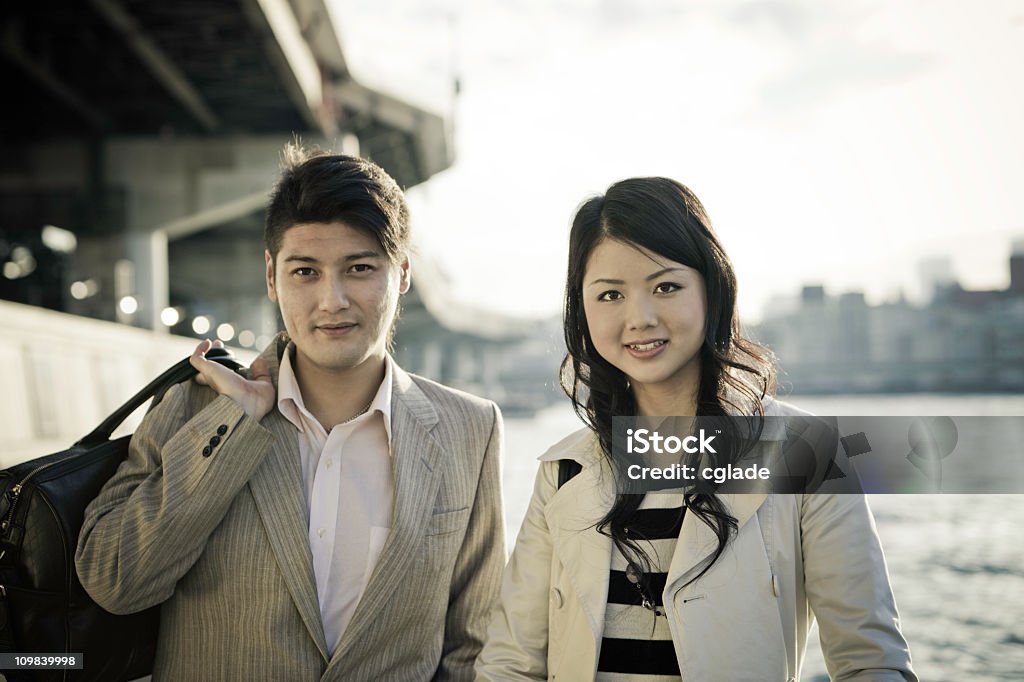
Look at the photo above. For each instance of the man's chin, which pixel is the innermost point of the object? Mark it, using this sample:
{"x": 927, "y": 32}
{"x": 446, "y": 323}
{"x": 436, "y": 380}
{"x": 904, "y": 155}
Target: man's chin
{"x": 337, "y": 364}
{"x": 330, "y": 359}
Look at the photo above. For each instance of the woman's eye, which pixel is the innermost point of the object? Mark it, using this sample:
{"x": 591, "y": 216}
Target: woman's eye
{"x": 666, "y": 288}
{"x": 610, "y": 296}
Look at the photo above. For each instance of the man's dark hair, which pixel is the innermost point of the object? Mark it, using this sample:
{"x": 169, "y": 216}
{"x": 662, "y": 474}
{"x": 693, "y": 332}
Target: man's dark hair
{"x": 320, "y": 187}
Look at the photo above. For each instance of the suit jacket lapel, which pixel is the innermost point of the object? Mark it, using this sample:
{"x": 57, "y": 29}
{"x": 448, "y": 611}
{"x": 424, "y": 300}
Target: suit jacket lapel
{"x": 416, "y": 458}
{"x": 277, "y": 489}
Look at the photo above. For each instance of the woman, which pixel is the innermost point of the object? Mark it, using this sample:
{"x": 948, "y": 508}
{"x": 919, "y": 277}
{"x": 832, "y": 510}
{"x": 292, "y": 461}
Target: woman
{"x": 666, "y": 587}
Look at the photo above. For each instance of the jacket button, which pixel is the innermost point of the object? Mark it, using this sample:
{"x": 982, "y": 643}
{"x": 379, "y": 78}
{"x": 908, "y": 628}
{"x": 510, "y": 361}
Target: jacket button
{"x": 215, "y": 441}
{"x": 556, "y": 598}
{"x": 207, "y": 451}
{"x": 222, "y": 429}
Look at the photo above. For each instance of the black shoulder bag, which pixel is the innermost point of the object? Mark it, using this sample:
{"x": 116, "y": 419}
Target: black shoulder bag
{"x": 43, "y": 607}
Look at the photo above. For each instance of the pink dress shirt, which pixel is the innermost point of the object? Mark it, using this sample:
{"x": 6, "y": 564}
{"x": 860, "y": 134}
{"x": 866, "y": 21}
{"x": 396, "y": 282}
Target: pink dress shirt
{"x": 348, "y": 487}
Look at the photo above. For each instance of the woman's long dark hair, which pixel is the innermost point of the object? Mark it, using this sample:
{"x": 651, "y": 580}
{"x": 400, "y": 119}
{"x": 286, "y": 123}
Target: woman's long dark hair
{"x": 736, "y": 374}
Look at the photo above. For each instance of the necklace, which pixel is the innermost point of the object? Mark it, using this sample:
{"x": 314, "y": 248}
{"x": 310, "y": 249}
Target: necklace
{"x": 358, "y": 414}
{"x": 636, "y": 576}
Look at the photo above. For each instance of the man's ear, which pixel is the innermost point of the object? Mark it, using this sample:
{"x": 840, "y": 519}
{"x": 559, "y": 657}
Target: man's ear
{"x": 271, "y": 291}
{"x": 405, "y": 275}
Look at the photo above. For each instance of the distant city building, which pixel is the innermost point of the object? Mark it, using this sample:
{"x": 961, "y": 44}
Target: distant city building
{"x": 936, "y": 274}
{"x": 1017, "y": 267}
{"x": 961, "y": 341}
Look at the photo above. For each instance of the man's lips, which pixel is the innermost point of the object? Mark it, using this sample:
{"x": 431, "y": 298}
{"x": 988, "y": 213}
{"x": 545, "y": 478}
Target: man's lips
{"x": 336, "y": 329}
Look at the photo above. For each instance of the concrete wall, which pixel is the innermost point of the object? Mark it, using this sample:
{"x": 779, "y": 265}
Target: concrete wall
{"x": 63, "y": 374}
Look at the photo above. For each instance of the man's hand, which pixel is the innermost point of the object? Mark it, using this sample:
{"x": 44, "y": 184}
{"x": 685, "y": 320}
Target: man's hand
{"x": 256, "y": 395}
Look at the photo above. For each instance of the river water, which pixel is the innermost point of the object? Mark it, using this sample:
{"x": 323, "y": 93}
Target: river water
{"x": 956, "y": 561}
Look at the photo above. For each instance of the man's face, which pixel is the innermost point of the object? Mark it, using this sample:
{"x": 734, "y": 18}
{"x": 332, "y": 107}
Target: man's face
{"x": 338, "y": 294}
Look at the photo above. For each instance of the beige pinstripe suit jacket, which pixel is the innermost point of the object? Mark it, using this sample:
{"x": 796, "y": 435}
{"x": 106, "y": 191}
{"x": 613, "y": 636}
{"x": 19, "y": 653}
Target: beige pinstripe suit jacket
{"x": 221, "y": 542}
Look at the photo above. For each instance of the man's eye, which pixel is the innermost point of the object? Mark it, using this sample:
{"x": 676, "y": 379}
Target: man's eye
{"x": 363, "y": 267}
{"x": 610, "y": 296}
{"x": 304, "y": 272}
{"x": 666, "y": 288}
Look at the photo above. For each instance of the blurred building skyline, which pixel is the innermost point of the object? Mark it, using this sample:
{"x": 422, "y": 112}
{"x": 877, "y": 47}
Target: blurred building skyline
{"x": 960, "y": 340}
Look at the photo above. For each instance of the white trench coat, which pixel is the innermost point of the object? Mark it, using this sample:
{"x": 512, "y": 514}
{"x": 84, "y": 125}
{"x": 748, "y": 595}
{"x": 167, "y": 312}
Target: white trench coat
{"x": 794, "y": 558}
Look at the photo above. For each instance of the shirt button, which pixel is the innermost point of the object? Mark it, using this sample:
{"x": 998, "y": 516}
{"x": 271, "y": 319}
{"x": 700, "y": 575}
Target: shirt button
{"x": 215, "y": 441}
{"x": 222, "y": 429}
{"x": 329, "y": 462}
{"x": 207, "y": 450}
{"x": 556, "y": 598}
{"x": 320, "y": 533}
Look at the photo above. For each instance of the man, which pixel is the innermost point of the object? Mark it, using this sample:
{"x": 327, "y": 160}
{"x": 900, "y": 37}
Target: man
{"x": 328, "y": 516}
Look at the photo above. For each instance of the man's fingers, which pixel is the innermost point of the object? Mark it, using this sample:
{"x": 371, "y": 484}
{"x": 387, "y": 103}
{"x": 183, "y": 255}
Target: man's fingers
{"x": 199, "y": 354}
{"x": 202, "y": 365}
{"x": 256, "y": 395}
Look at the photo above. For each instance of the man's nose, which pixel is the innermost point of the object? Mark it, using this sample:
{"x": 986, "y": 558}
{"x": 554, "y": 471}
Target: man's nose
{"x": 333, "y": 295}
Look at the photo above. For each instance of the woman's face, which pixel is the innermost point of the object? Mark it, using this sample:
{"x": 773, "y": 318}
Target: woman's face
{"x": 646, "y": 315}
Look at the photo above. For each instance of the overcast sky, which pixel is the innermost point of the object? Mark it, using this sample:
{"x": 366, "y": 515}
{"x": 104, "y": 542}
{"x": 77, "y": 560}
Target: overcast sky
{"x": 831, "y": 142}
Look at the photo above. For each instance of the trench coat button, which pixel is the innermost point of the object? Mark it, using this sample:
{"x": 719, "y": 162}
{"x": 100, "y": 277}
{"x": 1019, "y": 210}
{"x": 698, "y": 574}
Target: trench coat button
{"x": 215, "y": 441}
{"x": 556, "y": 598}
{"x": 222, "y": 429}
{"x": 207, "y": 451}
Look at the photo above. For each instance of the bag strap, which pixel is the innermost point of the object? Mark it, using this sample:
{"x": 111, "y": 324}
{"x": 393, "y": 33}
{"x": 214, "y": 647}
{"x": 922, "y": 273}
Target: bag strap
{"x": 567, "y": 468}
{"x": 177, "y": 373}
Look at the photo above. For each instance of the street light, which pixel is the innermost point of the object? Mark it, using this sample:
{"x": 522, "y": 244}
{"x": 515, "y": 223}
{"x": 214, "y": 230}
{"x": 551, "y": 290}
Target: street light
{"x": 201, "y": 324}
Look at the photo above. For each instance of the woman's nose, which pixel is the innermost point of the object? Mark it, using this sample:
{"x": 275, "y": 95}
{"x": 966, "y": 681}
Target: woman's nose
{"x": 641, "y": 314}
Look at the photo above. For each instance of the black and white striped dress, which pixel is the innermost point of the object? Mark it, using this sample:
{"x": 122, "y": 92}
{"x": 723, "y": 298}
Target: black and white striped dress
{"x": 637, "y": 644}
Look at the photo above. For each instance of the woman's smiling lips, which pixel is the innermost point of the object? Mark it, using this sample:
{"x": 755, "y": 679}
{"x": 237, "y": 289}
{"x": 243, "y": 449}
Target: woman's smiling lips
{"x": 335, "y": 330}
{"x": 646, "y": 349}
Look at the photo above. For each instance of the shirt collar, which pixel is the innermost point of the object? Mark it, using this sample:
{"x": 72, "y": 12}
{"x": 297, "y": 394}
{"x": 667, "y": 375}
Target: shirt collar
{"x": 289, "y": 397}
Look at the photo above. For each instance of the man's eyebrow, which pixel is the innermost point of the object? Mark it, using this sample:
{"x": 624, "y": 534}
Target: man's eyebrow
{"x": 368, "y": 253}
{"x": 359, "y": 255}
{"x": 655, "y": 275}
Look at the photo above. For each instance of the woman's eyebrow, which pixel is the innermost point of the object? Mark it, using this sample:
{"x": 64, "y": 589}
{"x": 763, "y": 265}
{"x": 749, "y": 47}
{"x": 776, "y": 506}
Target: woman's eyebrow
{"x": 659, "y": 273}
{"x": 655, "y": 275}
{"x": 606, "y": 281}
